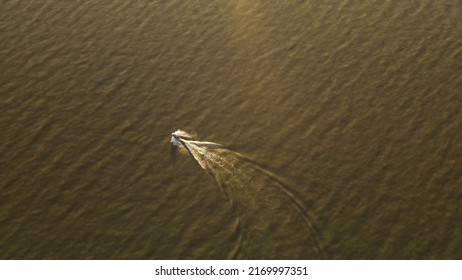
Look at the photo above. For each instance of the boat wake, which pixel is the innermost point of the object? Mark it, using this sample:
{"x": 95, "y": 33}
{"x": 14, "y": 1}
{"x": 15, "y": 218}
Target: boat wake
{"x": 271, "y": 222}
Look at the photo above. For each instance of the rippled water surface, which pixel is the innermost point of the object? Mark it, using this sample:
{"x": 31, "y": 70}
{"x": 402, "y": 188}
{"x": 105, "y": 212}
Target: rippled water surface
{"x": 354, "y": 106}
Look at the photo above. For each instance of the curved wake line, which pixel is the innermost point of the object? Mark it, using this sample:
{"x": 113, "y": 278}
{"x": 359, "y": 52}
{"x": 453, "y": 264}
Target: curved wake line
{"x": 300, "y": 208}
{"x": 265, "y": 209}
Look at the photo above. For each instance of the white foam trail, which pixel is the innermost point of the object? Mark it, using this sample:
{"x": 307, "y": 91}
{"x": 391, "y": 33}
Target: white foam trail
{"x": 272, "y": 223}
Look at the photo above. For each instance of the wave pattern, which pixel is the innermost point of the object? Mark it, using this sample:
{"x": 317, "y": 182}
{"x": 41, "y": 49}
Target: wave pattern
{"x": 357, "y": 103}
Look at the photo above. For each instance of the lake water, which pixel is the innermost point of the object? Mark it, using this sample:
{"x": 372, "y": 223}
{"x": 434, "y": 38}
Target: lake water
{"x": 354, "y": 105}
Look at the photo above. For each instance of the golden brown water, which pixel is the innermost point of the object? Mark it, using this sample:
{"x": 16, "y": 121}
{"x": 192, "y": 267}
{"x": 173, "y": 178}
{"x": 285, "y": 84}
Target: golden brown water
{"x": 355, "y": 105}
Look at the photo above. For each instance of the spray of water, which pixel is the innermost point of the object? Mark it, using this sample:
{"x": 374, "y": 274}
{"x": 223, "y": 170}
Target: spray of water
{"x": 271, "y": 221}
